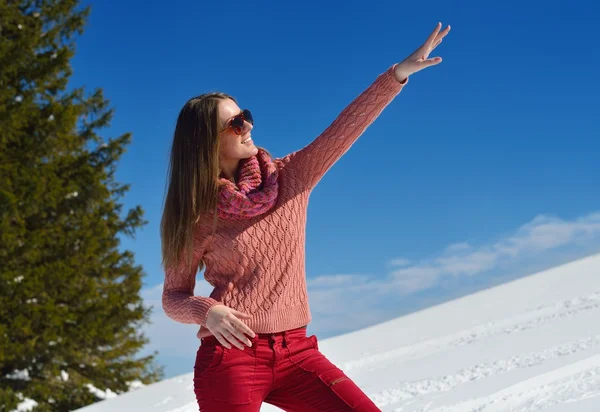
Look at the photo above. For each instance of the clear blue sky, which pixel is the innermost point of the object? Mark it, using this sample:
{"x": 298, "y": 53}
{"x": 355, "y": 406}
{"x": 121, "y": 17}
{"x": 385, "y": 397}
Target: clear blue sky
{"x": 504, "y": 130}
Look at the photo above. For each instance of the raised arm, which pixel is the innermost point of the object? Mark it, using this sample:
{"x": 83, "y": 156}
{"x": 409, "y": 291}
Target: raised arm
{"x": 309, "y": 165}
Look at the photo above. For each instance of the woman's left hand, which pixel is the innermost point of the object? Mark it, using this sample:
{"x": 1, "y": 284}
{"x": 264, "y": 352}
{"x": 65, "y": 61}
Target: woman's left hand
{"x": 419, "y": 59}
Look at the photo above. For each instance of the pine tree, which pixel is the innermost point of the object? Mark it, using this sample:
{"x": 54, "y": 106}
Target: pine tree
{"x": 70, "y": 304}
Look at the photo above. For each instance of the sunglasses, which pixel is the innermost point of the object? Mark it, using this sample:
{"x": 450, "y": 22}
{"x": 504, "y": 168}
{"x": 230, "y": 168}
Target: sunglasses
{"x": 237, "y": 122}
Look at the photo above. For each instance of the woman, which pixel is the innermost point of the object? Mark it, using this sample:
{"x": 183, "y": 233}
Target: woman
{"x": 233, "y": 210}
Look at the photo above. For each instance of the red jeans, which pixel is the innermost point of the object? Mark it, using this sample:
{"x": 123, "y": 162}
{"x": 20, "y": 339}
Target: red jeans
{"x": 284, "y": 369}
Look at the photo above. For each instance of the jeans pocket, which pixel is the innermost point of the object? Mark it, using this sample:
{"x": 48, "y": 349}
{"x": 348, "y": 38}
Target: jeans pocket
{"x": 304, "y": 353}
{"x": 233, "y": 380}
{"x": 208, "y": 358}
{"x": 345, "y": 389}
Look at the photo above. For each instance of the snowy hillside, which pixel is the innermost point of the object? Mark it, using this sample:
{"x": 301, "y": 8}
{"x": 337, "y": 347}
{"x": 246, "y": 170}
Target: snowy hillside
{"x": 529, "y": 345}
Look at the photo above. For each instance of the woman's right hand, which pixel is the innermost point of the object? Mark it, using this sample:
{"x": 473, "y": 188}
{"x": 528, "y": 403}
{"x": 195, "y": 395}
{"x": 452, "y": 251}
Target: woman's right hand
{"x": 227, "y": 326}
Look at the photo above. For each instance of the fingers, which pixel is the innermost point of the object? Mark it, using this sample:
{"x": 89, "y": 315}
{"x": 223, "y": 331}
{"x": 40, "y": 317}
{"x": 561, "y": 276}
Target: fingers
{"x": 443, "y": 34}
{"x": 427, "y": 52}
{"x": 439, "y": 36}
{"x": 430, "y": 62}
{"x": 222, "y": 340}
{"x": 239, "y": 336}
{"x": 447, "y": 30}
{"x": 434, "y": 41}
{"x": 242, "y": 327}
{"x": 239, "y": 329}
{"x": 433, "y": 36}
{"x": 227, "y": 327}
{"x": 232, "y": 340}
{"x": 234, "y": 330}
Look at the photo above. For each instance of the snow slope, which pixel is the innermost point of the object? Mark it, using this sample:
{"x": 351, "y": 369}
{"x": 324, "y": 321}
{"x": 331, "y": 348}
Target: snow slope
{"x": 529, "y": 345}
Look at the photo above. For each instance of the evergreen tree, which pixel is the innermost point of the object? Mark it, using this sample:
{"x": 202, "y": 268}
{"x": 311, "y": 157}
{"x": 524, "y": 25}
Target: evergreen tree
{"x": 70, "y": 304}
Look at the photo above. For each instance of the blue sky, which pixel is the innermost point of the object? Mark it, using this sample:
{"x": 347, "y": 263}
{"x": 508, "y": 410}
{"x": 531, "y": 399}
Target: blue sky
{"x": 483, "y": 169}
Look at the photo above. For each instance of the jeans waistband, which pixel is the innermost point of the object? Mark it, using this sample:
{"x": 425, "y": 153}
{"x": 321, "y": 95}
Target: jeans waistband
{"x": 265, "y": 336}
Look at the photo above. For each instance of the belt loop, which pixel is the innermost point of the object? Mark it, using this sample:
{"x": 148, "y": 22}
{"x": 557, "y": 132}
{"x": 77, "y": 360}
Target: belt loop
{"x": 271, "y": 340}
{"x": 285, "y": 338}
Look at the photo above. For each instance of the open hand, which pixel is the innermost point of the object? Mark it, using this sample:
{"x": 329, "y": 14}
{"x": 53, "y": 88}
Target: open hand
{"x": 227, "y": 326}
{"x": 420, "y": 57}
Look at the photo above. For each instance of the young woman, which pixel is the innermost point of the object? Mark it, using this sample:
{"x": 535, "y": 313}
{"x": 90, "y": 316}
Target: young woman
{"x": 240, "y": 214}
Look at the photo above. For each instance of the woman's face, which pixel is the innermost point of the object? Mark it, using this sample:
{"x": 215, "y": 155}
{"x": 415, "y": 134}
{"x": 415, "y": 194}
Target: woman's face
{"x": 234, "y": 147}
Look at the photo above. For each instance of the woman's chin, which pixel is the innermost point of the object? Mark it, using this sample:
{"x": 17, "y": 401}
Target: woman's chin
{"x": 249, "y": 152}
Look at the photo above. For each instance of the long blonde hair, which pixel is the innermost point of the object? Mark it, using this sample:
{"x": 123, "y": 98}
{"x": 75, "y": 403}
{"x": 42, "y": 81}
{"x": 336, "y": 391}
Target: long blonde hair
{"x": 192, "y": 175}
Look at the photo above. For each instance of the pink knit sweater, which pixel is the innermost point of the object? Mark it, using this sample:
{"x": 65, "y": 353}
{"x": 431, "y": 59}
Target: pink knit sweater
{"x": 257, "y": 265}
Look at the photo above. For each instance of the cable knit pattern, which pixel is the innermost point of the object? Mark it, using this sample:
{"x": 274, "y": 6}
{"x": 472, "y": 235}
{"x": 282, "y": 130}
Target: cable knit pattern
{"x": 256, "y": 265}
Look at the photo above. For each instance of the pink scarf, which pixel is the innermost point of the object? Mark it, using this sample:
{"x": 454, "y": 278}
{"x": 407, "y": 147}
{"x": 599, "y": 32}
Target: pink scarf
{"x": 255, "y": 192}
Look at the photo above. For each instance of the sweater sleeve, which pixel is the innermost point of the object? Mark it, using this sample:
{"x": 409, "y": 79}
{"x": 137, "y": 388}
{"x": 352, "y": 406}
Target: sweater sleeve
{"x": 178, "y": 300}
{"x": 310, "y": 164}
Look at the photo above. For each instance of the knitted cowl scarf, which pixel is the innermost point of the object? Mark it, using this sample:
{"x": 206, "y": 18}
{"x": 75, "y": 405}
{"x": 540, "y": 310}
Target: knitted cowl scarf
{"x": 255, "y": 192}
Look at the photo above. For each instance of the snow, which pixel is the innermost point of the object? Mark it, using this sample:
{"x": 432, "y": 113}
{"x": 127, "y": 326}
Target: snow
{"x": 19, "y": 375}
{"x": 529, "y": 345}
{"x": 26, "y": 405}
{"x": 135, "y": 385}
{"x": 107, "y": 394}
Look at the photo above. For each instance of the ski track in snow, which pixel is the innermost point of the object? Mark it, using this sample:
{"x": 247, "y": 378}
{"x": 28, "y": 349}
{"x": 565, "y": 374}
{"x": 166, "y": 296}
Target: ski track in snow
{"x": 518, "y": 323}
{"x": 164, "y": 401}
{"x": 190, "y": 407}
{"x": 568, "y": 384}
{"x": 410, "y": 390}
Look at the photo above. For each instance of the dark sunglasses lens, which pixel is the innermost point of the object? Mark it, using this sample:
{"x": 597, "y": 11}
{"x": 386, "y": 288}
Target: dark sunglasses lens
{"x": 237, "y": 124}
{"x": 248, "y": 116}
